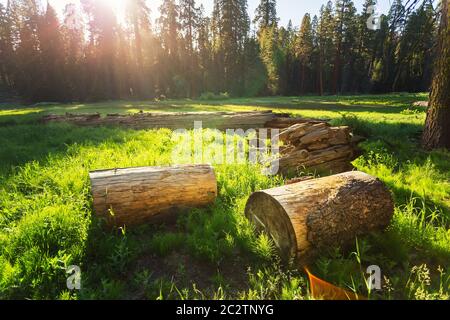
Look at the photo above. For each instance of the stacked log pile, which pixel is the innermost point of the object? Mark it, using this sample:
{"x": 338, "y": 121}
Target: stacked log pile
{"x": 317, "y": 146}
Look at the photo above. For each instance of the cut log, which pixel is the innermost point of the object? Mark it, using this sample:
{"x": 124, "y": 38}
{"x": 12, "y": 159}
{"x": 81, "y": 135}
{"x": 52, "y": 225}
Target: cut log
{"x": 171, "y": 120}
{"x": 286, "y": 122}
{"x": 151, "y": 194}
{"x": 297, "y": 131}
{"x": 317, "y": 135}
{"x": 339, "y": 136}
{"x": 306, "y": 218}
{"x": 320, "y": 160}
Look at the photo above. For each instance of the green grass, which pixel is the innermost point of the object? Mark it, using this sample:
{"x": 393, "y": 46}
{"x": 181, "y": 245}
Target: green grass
{"x": 46, "y": 220}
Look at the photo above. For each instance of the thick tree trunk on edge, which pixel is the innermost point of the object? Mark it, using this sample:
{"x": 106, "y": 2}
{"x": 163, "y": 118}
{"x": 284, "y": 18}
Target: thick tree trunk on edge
{"x": 437, "y": 127}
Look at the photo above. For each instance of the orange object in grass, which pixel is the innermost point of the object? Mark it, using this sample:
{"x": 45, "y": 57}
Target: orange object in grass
{"x": 322, "y": 290}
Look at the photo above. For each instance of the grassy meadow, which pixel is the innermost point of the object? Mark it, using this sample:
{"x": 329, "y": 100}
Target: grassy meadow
{"x": 46, "y": 220}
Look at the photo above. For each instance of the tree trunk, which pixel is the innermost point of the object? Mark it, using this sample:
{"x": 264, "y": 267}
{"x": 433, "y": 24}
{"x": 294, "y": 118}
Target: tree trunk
{"x": 302, "y": 85}
{"x": 141, "y": 85}
{"x": 172, "y": 120}
{"x": 321, "y": 73}
{"x": 437, "y": 127}
{"x": 308, "y": 217}
{"x": 282, "y": 122}
{"x": 151, "y": 194}
{"x": 334, "y": 159}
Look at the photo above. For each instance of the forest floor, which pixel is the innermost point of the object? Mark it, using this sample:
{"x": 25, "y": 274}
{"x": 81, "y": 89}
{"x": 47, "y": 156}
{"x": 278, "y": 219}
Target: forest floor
{"x": 46, "y": 220}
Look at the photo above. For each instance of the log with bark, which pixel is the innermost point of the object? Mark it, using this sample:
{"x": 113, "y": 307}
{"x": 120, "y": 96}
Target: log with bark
{"x": 309, "y": 144}
{"x": 171, "y": 120}
{"x": 151, "y": 194}
{"x": 309, "y": 217}
{"x": 184, "y": 120}
{"x": 436, "y": 134}
{"x": 283, "y": 122}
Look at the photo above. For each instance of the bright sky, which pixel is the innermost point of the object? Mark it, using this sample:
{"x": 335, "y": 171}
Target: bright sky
{"x": 287, "y": 9}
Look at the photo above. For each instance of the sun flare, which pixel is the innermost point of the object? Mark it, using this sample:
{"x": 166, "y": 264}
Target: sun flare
{"x": 117, "y": 5}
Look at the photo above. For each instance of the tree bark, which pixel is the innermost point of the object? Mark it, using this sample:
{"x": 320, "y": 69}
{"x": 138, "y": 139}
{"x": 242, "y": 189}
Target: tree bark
{"x": 308, "y": 217}
{"x": 151, "y": 194}
{"x": 437, "y": 127}
{"x": 171, "y": 120}
{"x": 321, "y": 72}
{"x": 283, "y": 122}
{"x": 335, "y": 159}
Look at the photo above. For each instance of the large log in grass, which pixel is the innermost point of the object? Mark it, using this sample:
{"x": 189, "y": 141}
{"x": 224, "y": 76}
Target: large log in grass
{"x": 171, "y": 120}
{"x": 151, "y": 194}
{"x": 306, "y": 217}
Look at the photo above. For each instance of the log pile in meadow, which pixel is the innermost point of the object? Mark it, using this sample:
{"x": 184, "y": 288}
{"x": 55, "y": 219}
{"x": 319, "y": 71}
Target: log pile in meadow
{"x": 317, "y": 146}
{"x": 309, "y": 144}
{"x": 171, "y": 120}
{"x": 182, "y": 120}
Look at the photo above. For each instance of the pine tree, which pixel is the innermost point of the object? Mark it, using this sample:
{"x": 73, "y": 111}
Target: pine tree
{"x": 138, "y": 19}
{"x": 204, "y": 52}
{"x": 169, "y": 27}
{"x": 266, "y": 14}
{"x": 232, "y": 25}
{"x": 437, "y": 128}
{"x": 305, "y": 48}
{"x": 315, "y": 56}
{"x": 415, "y": 51}
{"x": 73, "y": 38}
{"x": 169, "y": 24}
{"x": 271, "y": 57}
{"x": 325, "y": 34}
{"x": 345, "y": 43}
{"x": 365, "y": 50}
{"x": 187, "y": 53}
{"x": 102, "y": 54}
{"x": 52, "y": 84}
{"x": 6, "y": 49}
{"x": 396, "y": 20}
{"x": 190, "y": 16}
{"x": 25, "y": 28}
{"x": 289, "y": 79}
{"x": 268, "y": 37}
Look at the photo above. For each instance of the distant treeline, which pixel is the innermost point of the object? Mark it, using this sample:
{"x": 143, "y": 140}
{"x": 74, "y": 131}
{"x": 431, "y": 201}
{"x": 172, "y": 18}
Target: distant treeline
{"x": 90, "y": 54}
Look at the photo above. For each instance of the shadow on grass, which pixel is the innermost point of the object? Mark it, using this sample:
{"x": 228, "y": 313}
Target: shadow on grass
{"x": 387, "y": 104}
{"x": 121, "y": 265}
{"x": 152, "y": 261}
{"x": 25, "y": 143}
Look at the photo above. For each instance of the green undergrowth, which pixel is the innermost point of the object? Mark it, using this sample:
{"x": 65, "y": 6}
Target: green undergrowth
{"x": 47, "y": 224}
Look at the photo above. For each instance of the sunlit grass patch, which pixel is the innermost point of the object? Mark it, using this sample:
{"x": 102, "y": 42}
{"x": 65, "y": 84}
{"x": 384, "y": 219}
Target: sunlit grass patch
{"x": 47, "y": 222}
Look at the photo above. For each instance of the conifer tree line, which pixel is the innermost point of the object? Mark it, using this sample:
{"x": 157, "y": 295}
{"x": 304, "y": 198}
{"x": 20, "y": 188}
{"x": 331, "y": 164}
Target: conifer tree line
{"x": 87, "y": 53}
